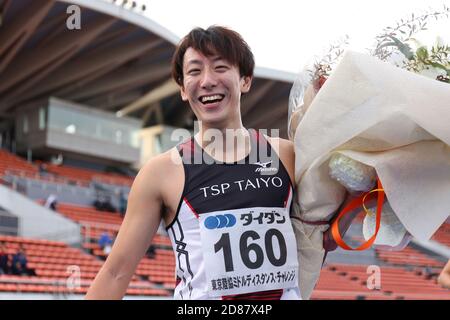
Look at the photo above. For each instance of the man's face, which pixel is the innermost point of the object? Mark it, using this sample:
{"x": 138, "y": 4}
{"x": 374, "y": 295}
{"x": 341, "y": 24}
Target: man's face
{"x": 213, "y": 87}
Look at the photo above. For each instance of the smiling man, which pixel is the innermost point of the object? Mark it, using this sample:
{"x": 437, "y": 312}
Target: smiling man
{"x": 227, "y": 215}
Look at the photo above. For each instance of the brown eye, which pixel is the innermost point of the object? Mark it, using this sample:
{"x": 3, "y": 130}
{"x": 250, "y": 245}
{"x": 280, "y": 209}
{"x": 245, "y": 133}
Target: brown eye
{"x": 193, "y": 71}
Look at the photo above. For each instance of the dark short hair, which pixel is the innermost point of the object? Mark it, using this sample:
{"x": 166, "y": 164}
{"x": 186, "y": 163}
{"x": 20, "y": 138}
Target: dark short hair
{"x": 215, "y": 40}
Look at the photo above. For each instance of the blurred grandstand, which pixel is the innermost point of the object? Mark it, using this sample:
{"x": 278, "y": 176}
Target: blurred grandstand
{"x": 81, "y": 110}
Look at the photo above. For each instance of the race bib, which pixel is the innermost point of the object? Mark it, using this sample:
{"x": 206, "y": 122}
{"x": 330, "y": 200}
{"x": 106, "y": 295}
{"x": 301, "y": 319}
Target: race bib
{"x": 248, "y": 250}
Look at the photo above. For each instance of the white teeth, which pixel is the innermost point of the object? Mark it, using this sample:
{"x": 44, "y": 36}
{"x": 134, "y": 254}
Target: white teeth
{"x": 210, "y": 98}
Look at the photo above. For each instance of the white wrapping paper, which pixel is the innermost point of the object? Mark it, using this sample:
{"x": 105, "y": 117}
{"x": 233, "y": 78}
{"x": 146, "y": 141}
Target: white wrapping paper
{"x": 391, "y": 119}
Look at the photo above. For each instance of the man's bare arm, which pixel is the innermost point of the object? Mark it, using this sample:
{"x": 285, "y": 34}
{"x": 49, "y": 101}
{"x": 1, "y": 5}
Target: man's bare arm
{"x": 140, "y": 224}
{"x": 285, "y": 150}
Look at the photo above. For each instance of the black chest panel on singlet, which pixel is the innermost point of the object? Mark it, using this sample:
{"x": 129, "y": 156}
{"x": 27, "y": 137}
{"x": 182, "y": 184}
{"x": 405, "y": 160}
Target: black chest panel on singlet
{"x": 259, "y": 180}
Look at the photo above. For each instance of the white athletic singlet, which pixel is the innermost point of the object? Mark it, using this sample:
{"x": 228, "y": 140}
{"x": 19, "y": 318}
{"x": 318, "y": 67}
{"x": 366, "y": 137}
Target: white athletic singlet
{"x": 232, "y": 235}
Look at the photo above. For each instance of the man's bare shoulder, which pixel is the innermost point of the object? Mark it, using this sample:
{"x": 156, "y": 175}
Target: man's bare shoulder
{"x": 285, "y": 150}
{"x": 163, "y": 162}
{"x": 284, "y": 146}
{"x": 160, "y": 166}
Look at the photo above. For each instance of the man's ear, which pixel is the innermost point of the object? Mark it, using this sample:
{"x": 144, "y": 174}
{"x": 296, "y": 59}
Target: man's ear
{"x": 246, "y": 83}
{"x": 183, "y": 94}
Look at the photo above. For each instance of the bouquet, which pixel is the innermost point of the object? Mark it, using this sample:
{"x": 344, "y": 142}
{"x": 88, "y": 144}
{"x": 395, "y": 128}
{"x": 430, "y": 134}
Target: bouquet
{"x": 370, "y": 136}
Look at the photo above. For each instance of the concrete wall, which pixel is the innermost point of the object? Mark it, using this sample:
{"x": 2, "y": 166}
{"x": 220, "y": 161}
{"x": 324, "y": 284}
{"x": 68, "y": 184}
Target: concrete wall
{"x": 36, "y": 221}
{"x": 77, "y": 195}
{"x": 44, "y": 136}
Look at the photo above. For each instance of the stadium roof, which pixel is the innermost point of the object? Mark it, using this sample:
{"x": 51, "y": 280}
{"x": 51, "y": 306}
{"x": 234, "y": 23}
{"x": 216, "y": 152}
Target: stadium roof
{"x": 118, "y": 61}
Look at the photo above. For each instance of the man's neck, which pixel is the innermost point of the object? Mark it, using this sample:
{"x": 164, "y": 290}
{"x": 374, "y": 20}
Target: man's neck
{"x": 228, "y": 144}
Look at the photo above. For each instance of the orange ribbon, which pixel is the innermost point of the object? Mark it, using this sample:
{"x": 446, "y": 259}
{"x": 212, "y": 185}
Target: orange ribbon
{"x": 355, "y": 203}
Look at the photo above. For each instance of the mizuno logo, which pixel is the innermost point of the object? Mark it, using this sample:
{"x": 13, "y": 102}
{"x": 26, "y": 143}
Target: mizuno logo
{"x": 263, "y": 167}
{"x": 264, "y": 164}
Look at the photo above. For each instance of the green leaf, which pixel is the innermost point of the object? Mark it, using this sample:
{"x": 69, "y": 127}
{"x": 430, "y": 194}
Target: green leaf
{"x": 403, "y": 47}
{"x": 439, "y": 66}
{"x": 422, "y": 53}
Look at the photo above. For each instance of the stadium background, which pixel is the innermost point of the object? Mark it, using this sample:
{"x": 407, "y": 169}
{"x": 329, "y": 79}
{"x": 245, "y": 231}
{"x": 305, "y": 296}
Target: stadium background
{"x": 82, "y": 108}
